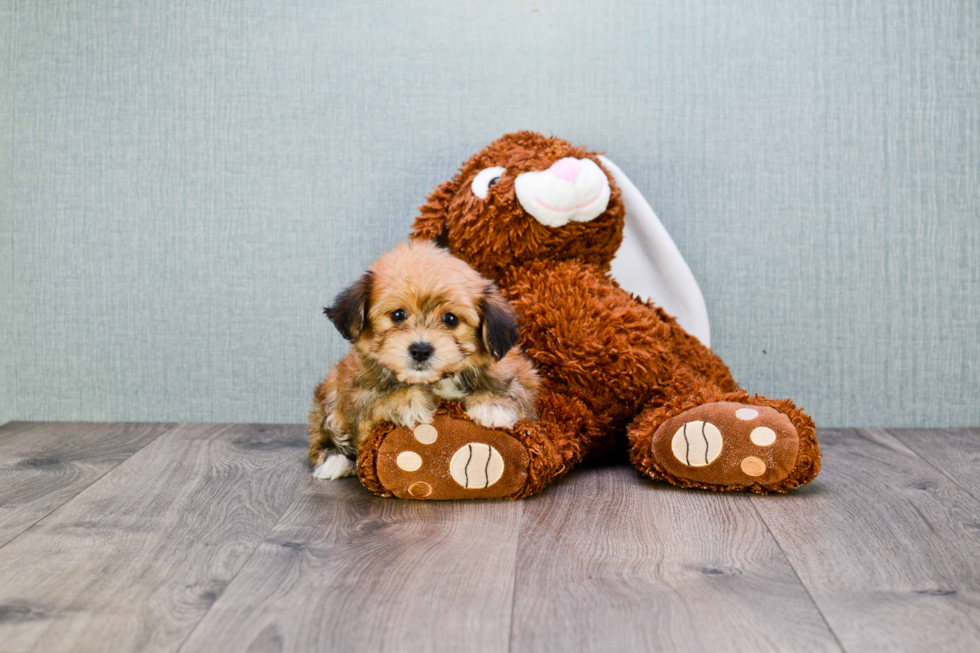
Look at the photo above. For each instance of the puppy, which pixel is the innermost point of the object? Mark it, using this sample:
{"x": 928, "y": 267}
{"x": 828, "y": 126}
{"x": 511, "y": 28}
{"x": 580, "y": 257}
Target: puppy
{"x": 425, "y": 327}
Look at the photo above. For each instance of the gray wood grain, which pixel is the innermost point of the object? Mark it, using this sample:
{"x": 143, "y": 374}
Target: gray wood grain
{"x": 347, "y": 571}
{"x": 610, "y": 561}
{"x": 204, "y": 538}
{"x": 954, "y": 452}
{"x": 133, "y": 562}
{"x": 44, "y": 464}
{"x": 886, "y": 545}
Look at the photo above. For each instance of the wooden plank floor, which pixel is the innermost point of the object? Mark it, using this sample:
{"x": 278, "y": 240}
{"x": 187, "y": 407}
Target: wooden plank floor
{"x": 123, "y": 537}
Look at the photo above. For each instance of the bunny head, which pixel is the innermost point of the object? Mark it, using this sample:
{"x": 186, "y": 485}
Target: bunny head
{"x": 526, "y": 197}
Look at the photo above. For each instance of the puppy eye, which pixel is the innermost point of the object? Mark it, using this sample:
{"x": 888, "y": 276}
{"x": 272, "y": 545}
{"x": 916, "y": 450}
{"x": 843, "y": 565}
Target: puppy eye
{"x": 485, "y": 179}
{"x": 450, "y": 320}
{"x": 399, "y": 316}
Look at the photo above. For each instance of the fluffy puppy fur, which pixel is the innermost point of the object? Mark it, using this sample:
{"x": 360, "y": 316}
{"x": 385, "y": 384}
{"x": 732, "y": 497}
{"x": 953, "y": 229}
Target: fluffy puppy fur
{"x": 425, "y": 327}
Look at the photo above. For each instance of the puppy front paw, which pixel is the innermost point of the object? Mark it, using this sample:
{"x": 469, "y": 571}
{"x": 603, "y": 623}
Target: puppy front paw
{"x": 335, "y": 466}
{"x": 492, "y": 415}
{"x": 412, "y": 416}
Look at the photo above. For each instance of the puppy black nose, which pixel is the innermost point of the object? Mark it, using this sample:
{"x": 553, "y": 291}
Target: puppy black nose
{"x": 420, "y": 351}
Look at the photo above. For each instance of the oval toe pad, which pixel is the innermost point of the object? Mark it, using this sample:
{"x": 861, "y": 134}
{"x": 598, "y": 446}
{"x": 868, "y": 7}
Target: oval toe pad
{"x": 727, "y": 444}
{"x": 451, "y": 459}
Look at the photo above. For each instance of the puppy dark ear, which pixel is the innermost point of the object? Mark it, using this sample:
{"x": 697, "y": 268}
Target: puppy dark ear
{"x": 499, "y": 327}
{"x": 442, "y": 240}
{"x": 349, "y": 310}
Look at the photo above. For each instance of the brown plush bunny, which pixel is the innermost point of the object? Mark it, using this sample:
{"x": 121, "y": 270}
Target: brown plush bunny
{"x": 544, "y": 219}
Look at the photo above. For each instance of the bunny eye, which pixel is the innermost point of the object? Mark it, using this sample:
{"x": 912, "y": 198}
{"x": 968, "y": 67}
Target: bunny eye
{"x": 485, "y": 179}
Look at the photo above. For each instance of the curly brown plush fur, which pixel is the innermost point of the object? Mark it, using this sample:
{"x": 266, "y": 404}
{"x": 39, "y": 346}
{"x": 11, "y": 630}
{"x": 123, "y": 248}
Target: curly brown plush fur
{"x": 611, "y": 365}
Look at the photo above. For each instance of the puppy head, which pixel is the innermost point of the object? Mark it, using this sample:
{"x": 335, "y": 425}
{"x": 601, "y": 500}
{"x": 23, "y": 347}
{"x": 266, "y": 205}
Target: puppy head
{"x": 425, "y": 315}
{"x": 526, "y": 197}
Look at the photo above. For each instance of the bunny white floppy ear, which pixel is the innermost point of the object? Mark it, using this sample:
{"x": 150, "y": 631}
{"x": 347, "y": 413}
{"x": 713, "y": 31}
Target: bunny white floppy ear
{"x": 649, "y": 265}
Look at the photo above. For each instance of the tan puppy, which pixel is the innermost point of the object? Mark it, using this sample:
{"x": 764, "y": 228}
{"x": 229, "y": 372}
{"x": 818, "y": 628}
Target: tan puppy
{"x": 425, "y": 327}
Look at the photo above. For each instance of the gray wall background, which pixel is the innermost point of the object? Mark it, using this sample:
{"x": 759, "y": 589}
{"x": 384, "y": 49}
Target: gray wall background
{"x": 183, "y": 185}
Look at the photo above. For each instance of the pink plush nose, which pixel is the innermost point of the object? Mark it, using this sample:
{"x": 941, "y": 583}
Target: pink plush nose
{"x": 566, "y": 169}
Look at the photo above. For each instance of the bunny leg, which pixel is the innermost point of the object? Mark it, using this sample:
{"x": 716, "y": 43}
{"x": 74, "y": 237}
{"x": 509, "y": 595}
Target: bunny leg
{"x": 725, "y": 441}
{"x": 455, "y": 458}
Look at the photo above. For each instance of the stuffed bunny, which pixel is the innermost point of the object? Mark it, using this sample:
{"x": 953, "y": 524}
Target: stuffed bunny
{"x": 546, "y": 221}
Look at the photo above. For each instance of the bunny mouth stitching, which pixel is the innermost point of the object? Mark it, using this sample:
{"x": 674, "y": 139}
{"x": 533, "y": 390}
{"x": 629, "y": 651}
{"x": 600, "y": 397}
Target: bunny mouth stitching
{"x": 574, "y": 208}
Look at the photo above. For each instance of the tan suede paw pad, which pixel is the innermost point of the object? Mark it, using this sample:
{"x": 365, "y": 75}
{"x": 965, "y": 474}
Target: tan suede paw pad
{"x": 728, "y": 444}
{"x": 451, "y": 459}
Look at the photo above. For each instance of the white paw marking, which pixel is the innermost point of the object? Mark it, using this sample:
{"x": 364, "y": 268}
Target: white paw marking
{"x": 416, "y": 409}
{"x": 334, "y": 467}
{"x": 476, "y": 465}
{"x": 762, "y": 436}
{"x": 697, "y": 443}
{"x": 412, "y": 416}
{"x": 753, "y": 466}
{"x": 492, "y": 416}
{"x": 425, "y": 433}
{"x": 746, "y": 414}
{"x": 447, "y": 389}
{"x": 409, "y": 461}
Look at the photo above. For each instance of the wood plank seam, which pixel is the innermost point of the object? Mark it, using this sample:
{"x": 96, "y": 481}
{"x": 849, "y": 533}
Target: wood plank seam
{"x": 244, "y": 564}
{"x": 95, "y": 480}
{"x": 928, "y": 462}
{"x": 182, "y": 529}
{"x": 885, "y": 548}
{"x": 609, "y": 560}
{"x": 513, "y": 589}
{"x": 796, "y": 573}
{"x": 433, "y": 575}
